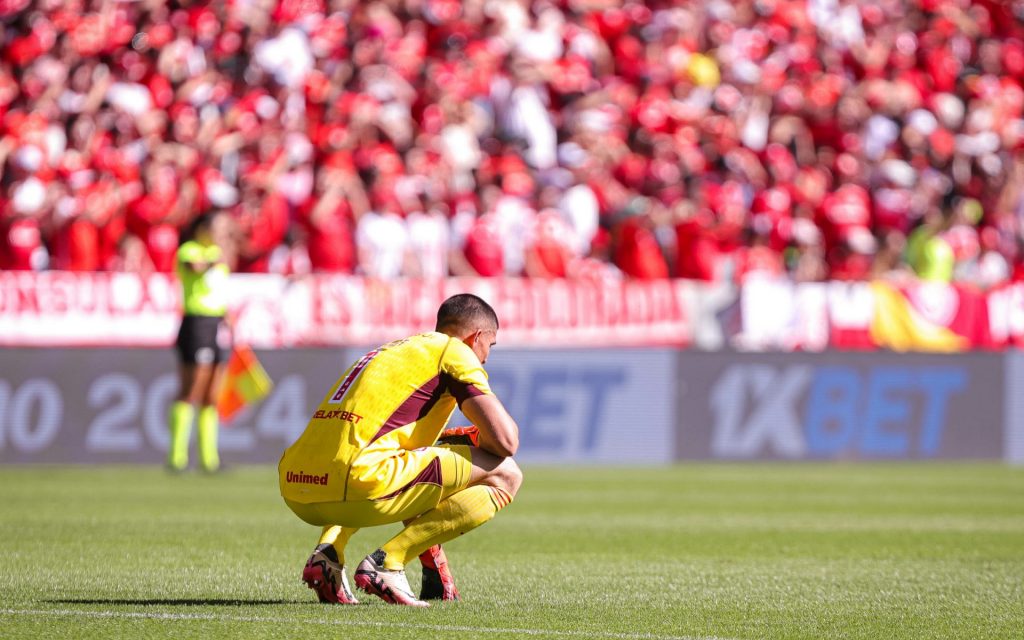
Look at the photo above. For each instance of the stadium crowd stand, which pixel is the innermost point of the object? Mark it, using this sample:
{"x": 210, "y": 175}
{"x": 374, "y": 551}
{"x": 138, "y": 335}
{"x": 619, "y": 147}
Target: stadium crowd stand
{"x": 823, "y": 139}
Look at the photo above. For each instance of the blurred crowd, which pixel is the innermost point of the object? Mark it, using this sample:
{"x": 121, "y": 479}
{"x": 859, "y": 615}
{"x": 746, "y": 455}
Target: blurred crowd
{"x": 712, "y": 140}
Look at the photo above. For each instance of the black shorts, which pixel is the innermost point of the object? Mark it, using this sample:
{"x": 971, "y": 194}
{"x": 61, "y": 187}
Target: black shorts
{"x": 201, "y": 340}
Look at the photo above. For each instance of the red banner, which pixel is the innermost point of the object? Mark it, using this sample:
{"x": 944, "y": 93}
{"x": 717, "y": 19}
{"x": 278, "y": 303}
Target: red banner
{"x": 1006, "y": 315}
{"x": 66, "y": 309}
{"x": 123, "y": 309}
{"x": 87, "y": 309}
{"x": 906, "y": 316}
{"x": 531, "y": 312}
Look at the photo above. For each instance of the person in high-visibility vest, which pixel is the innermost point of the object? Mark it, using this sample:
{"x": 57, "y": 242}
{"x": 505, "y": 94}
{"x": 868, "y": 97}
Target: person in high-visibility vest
{"x": 203, "y": 342}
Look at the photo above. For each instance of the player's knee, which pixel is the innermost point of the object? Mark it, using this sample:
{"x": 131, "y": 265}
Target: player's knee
{"x": 192, "y": 394}
{"x": 185, "y": 394}
{"x": 510, "y": 476}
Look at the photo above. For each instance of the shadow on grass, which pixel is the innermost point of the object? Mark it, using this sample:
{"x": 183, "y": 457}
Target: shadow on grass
{"x": 184, "y": 602}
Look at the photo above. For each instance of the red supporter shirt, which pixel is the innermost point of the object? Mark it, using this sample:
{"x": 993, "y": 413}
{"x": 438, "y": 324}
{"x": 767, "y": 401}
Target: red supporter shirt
{"x": 77, "y": 246}
{"x": 846, "y": 265}
{"x": 329, "y": 240}
{"x": 551, "y": 245}
{"x": 266, "y": 232}
{"x": 483, "y": 247}
{"x": 760, "y": 261}
{"x": 696, "y": 249}
{"x": 81, "y": 243}
{"x": 147, "y": 219}
{"x": 892, "y": 208}
{"x": 772, "y": 207}
{"x": 845, "y": 209}
{"x": 726, "y": 200}
{"x": 111, "y": 235}
{"x": 21, "y": 239}
{"x": 943, "y": 69}
{"x": 638, "y": 254}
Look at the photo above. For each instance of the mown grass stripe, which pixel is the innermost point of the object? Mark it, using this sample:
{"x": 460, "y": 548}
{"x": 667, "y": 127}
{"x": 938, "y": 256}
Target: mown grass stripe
{"x": 146, "y": 615}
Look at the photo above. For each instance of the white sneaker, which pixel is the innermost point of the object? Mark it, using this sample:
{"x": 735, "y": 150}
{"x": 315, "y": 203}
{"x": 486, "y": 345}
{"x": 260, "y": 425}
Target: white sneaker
{"x": 388, "y": 585}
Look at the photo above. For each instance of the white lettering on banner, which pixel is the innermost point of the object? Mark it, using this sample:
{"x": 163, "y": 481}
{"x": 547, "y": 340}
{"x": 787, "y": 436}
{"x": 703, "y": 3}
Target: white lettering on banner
{"x": 31, "y": 414}
{"x": 122, "y": 401}
{"x": 937, "y": 302}
{"x": 1006, "y": 314}
{"x": 159, "y": 396}
{"x": 118, "y": 398}
{"x": 851, "y": 305}
{"x": 766, "y": 310}
{"x": 998, "y": 314}
{"x": 271, "y": 311}
{"x": 780, "y": 314}
{"x": 811, "y": 332}
{"x": 754, "y": 410}
{"x": 570, "y": 403}
{"x": 283, "y": 416}
{"x": 59, "y": 308}
{"x": 588, "y": 405}
{"x": 127, "y": 309}
{"x": 531, "y": 312}
{"x": 120, "y": 417}
{"x": 56, "y": 292}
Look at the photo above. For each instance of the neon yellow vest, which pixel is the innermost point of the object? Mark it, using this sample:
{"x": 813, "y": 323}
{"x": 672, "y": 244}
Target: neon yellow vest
{"x": 203, "y": 293}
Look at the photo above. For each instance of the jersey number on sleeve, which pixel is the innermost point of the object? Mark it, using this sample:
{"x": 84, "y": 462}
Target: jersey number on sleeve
{"x": 339, "y": 393}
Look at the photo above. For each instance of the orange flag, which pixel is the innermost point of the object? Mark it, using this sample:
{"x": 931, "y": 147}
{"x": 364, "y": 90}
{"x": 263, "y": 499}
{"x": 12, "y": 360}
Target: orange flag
{"x": 245, "y": 382}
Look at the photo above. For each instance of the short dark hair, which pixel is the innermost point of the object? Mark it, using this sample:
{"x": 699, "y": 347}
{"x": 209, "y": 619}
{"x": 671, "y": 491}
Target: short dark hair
{"x": 199, "y": 223}
{"x": 463, "y": 311}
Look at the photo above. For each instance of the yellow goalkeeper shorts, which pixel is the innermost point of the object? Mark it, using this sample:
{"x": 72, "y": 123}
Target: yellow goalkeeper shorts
{"x": 397, "y": 488}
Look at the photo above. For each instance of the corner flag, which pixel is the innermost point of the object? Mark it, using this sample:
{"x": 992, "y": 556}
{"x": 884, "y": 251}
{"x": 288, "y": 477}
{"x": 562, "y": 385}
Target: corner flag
{"x": 245, "y": 382}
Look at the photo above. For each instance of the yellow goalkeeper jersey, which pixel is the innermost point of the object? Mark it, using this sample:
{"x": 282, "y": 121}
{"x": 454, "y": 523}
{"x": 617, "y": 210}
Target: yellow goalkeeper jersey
{"x": 395, "y": 398}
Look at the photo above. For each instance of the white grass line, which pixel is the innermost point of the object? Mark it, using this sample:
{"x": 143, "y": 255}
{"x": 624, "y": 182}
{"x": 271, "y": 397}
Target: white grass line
{"x": 43, "y": 613}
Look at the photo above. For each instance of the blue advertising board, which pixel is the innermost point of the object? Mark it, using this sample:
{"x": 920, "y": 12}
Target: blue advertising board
{"x": 110, "y": 405}
{"x": 841, "y": 406}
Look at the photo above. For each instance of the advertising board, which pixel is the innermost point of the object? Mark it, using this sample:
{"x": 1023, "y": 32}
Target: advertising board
{"x": 840, "y": 406}
{"x": 110, "y": 405}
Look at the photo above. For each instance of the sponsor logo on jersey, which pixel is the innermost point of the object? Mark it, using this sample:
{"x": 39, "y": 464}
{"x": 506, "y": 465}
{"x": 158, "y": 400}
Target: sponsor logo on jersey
{"x": 347, "y": 416}
{"x": 301, "y": 477}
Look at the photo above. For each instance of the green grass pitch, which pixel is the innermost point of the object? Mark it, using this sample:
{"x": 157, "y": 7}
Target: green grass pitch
{"x": 694, "y": 551}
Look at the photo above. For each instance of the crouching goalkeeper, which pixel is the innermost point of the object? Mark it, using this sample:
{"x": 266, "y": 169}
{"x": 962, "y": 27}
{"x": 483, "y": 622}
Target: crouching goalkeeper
{"x": 371, "y": 456}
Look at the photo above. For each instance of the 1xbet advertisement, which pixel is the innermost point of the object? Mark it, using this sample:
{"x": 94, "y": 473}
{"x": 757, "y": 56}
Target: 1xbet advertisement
{"x": 858, "y": 406}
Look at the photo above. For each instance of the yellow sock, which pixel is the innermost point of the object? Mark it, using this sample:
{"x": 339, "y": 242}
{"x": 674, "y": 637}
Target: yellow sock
{"x": 181, "y": 429}
{"x": 208, "y": 425}
{"x": 337, "y": 536}
{"x": 454, "y": 516}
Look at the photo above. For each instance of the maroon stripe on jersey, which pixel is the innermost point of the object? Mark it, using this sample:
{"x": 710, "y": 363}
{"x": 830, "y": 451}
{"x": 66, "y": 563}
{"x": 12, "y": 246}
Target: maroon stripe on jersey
{"x": 463, "y": 391}
{"x": 430, "y": 475}
{"x": 417, "y": 405}
{"x": 350, "y": 378}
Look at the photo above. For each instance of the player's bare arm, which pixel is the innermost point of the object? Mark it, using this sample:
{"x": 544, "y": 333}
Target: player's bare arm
{"x": 499, "y": 433}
